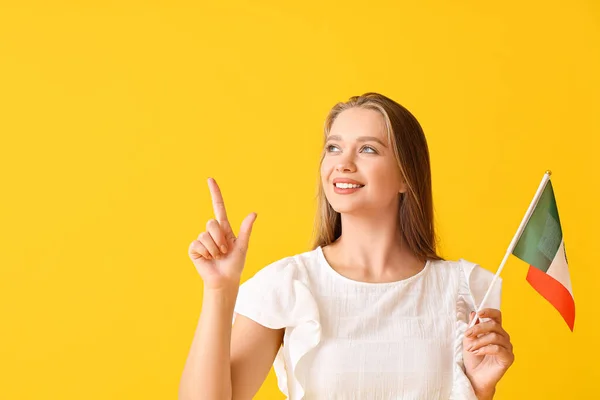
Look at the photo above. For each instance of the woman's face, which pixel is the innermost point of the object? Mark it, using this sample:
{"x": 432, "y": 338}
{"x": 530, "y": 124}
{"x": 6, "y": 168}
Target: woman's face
{"x": 357, "y": 149}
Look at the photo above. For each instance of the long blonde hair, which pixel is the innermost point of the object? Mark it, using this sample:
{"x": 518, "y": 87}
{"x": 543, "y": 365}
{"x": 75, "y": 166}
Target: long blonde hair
{"x": 415, "y": 211}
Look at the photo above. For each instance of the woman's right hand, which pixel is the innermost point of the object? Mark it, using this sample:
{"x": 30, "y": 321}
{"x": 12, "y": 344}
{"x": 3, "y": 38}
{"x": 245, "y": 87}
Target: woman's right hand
{"x": 221, "y": 267}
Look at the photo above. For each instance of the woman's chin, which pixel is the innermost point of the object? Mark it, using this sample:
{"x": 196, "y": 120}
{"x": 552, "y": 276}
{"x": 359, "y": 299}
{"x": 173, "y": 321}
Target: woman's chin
{"x": 347, "y": 209}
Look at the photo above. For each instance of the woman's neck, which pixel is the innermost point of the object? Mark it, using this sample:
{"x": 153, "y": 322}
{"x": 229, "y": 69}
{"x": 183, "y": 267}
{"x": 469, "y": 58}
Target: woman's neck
{"x": 373, "y": 247}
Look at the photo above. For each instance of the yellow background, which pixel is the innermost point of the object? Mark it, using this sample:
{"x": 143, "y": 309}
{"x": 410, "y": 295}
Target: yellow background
{"x": 113, "y": 114}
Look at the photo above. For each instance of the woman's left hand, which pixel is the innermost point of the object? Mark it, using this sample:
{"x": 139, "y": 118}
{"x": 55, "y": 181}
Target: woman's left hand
{"x": 487, "y": 352}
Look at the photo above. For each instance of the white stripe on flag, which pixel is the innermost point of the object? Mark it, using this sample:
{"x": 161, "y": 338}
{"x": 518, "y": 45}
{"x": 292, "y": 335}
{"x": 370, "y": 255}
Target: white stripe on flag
{"x": 559, "y": 269}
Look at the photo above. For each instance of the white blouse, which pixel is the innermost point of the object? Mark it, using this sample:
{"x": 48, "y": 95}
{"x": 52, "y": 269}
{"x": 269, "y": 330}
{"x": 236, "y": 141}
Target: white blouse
{"x": 346, "y": 339}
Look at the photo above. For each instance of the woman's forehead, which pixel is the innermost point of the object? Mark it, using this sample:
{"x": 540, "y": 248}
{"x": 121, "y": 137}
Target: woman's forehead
{"x": 354, "y": 123}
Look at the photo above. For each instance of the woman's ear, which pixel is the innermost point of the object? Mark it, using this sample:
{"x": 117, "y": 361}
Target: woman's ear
{"x": 403, "y": 187}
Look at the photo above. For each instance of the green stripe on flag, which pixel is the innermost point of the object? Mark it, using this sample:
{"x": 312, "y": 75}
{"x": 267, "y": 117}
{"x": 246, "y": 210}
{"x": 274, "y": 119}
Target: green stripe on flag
{"x": 542, "y": 235}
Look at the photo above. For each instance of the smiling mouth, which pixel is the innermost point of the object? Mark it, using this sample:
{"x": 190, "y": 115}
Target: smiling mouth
{"x": 347, "y": 186}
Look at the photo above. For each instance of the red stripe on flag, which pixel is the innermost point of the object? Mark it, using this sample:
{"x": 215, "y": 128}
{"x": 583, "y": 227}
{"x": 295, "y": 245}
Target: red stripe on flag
{"x": 554, "y": 292}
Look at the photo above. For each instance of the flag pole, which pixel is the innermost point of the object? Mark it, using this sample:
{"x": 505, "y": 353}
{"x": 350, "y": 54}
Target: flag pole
{"x": 514, "y": 241}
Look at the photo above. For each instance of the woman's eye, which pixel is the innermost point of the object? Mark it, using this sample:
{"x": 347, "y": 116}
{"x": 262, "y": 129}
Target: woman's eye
{"x": 331, "y": 146}
{"x": 369, "y": 147}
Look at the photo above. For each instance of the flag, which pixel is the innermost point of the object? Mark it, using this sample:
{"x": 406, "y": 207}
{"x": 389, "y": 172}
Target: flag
{"x": 541, "y": 245}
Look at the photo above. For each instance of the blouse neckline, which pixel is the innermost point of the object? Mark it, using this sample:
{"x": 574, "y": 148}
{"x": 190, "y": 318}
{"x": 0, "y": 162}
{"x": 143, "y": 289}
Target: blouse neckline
{"x": 332, "y": 271}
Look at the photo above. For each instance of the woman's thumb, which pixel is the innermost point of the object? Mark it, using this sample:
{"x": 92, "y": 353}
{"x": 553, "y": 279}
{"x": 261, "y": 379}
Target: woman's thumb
{"x": 245, "y": 230}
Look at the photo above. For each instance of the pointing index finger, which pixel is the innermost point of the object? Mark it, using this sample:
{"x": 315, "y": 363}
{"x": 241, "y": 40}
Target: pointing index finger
{"x": 217, "y": 201}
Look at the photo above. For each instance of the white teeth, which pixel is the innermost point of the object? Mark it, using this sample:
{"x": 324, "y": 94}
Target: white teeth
{"x": 347, "y": 185}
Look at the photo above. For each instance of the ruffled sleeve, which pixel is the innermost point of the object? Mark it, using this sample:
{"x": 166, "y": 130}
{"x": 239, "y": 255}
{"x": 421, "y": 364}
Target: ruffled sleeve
{"x": 474, "y": 281}
{"x": 278, "y": 296}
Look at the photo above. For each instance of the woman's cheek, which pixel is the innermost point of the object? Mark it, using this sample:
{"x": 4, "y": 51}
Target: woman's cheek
{"x": 325, "y": 170}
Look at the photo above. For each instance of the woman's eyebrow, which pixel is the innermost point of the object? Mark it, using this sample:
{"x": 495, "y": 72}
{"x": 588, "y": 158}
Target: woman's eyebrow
{"x": 358, "y": 139}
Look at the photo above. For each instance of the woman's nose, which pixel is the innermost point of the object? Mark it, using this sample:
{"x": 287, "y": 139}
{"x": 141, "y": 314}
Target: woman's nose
{"x": 345, "y": 164}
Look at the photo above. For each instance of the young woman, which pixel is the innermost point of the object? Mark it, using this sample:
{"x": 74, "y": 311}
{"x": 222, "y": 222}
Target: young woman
{"x": 372, "y": 312}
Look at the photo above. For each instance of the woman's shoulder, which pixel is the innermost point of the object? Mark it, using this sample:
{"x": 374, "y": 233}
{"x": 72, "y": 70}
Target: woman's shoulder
{"x": 475, "y": 274}
{"x": 292, "y": 267}
{"x": 475, "y": 280}
{"x": 278, "y": 294}
{"x": 472, "y": 278}
{"x": 465, "y": 267}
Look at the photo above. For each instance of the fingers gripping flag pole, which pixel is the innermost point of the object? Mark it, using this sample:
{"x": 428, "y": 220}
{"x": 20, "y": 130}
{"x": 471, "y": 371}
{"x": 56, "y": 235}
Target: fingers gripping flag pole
{"x": 539, "y": 242}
